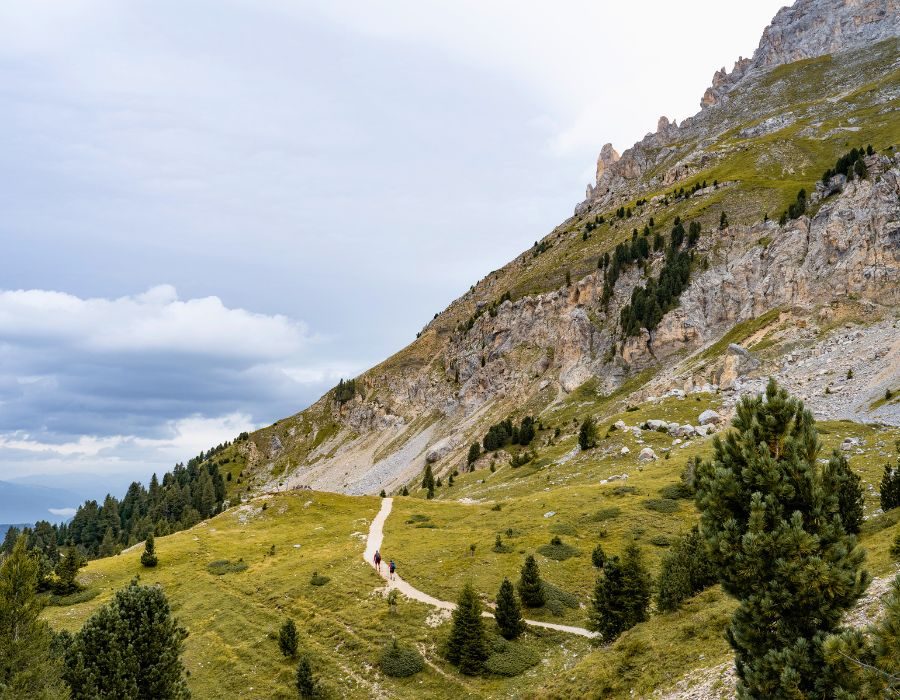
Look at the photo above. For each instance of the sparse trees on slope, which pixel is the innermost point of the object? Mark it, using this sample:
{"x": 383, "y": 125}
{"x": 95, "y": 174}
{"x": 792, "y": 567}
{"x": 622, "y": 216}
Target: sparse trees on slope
{"x": 467, "y": 647}
{"x": 776, "y": 539}
{"x": 508, "y": 612}
{"x": 531, "y": 588}
{"x": 621, "y": 595}
{"x": 129, "y": 648}
{"x": 28, "y": 668}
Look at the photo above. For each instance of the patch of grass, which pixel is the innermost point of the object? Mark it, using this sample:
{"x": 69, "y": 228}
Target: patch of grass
{"x": 417, "y": 518}
{"x": 739, "y": 333}
{"x": 608, "y": 513}
{"x": 563, "y": 529}
{"x": 675, "y": 492}
{"x": 221, "y": 567}
{"x": 318, "y": 580}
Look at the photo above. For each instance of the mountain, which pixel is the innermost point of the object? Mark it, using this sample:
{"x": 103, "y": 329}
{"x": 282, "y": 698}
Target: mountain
{"x": 24, "y": 503}
{"x": 760, "y": 237}
{"x": 541, "y": 329}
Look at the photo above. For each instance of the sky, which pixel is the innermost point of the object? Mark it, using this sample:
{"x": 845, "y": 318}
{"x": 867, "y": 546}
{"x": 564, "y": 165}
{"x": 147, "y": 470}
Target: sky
{"x": 212, "y": 211}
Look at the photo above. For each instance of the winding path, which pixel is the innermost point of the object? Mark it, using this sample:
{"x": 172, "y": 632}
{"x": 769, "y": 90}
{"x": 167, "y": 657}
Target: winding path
{"x": 373, "y": 542}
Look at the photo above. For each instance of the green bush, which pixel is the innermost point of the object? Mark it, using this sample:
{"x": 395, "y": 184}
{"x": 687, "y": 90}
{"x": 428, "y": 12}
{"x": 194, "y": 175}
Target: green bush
{"x": 400, "y": 662}
{"x": 73, "y": 598}
{"x": 515, "y": 658}
{"x": 557, "y": 600}
{"x": 623, "y": 491}
{"x": 610, "y": 513}
{"x": 224, "y": 566}
{"x": 563, "y": 529}
{"x": 558, "y": 550}
{"x": 661, "y": 505}
{"x": 660, "y": 541}
{"x": 673, "y": 492}
{"x": 417, "y": 518}
{"x": 317, "y": 580}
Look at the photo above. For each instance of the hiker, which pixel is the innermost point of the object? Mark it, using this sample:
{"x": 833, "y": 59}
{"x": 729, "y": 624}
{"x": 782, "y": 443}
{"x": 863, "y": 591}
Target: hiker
{"x": 392, "y": 568}
{"x": 378, "y": 560}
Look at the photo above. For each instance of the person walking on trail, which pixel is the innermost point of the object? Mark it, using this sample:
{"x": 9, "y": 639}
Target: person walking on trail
{"x": 377, "y": 559}
{"x": 392, "y": 568}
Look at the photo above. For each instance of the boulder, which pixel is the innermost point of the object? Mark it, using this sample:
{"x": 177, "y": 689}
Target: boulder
{"x": 620, "y": 425}
{"x": 624, "y": 451}
{"x": 709, "y": 417}
{"x": 647, "y": 455}
{"x": 655, "y": 424}
{"x": 685, "y": 431}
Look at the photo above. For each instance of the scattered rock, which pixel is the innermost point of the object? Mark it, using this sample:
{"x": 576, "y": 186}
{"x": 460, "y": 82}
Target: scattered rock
{"x": 647, "y": 455}
{"x": 709, "y": 417}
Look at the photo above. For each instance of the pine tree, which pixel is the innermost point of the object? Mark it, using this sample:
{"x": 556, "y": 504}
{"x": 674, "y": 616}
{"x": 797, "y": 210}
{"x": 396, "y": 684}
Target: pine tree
{"x": 508, "y": 612}
{"x": 839, "y": 479}
{"x": 287, "y": 638}
{"x": 686, "y": 570}
{"x": 890, "y": 485}
{"x": 428, "y": 481}
{"x": 148, "y": 556}
{"x": 28, "y": 667}
{"x": 531, "y": 588}
{"x": 129, "y": 648}
{"x": 621, "y": 595}
{"x": 723, "y": 221}
{"x": 67, "y": 570}
{"x": 466, "y": 646}
{"x": 776, "y": 539}
{"x": 474, "y": 453}
{"x": 108, "y": 544}
{"x": 405, "y": 491}
{"x": 306, "y": 681}
{"x": 587, "y": 434}
{"x": 598, "y": 556}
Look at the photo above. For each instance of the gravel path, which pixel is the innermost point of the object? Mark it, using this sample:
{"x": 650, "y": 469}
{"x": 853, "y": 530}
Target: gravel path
{"x": 373, "y": 542}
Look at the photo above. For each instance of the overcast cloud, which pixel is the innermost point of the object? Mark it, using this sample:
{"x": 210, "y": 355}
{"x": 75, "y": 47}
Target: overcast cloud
{"x": 315, "y": 180}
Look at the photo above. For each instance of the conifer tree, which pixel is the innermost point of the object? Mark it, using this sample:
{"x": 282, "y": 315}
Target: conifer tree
{"x": 428, "y": 481}
{"x": 287, "y": 638}
{"x": 405, "y": 491}
{"x": 129, "y": 648}
{"x": 621, "y": 595}
{"x": 890, "y": 484}
{"x": 28, "y": 667}
{"x": 508, "y": 612}
{"x": 474, "y": 453}
{"x": 842, "y": 481}
{"x": 467, "y": 647}
{"x": 686, "y": 570}
{"x": 531, "y": 588}
{"x": 307, "y": 687}
{"x": 598, "y": 556}
{"x": 587, "y": 434}
{"x": 148, "y": 556}
{"x": 723, "y": 221}
{"x": 775, "y": 536}
{"x": 67, "y": 570}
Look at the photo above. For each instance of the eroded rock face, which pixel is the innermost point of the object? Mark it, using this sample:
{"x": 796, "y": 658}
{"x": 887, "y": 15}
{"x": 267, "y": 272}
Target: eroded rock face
{"x": 807, "y": 29}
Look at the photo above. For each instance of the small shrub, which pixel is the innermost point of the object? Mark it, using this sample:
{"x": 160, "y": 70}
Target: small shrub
{"x": 501, "y": 548}
{"x": 895, "y": 547}
{"x": 514, "y": 659}
{"x": 604, "y": 514}
{"x": 623, "y": 491}
{"x": 660, "y": 541}
{"x": 661, "y": 505}
{"x": 563, "y": 529}
{"x": 557, "y": 600}
{"x": 400, "y": 662}
{"x": 224, "y": 566}
{"x": 598, "y": 556}
{"x": 558, "y": 550}
{"x": 497, "y": 506}
{"x": 73, "y": 598}
{"x": 417, "y": 518}
{"x": 426, "y": 526}
{"x": 317, "y": 580}
{"x": 673, "y": 492}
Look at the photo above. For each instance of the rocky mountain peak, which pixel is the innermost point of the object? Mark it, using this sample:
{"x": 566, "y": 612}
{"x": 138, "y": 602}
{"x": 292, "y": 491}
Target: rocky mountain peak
{"x": 807, "y": 29}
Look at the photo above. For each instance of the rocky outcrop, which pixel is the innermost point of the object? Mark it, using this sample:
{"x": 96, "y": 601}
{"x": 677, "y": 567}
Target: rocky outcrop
{"x": 807, "y": 29}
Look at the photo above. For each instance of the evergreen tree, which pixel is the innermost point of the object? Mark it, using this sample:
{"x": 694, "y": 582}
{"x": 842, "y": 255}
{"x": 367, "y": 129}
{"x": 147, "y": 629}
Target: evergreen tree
{"x": 775, "y": 537}
{"x": 405, "y": 491}
{"x": 428, "y": 481}
{"x": 466, "y": 646}
{"x": 108, "y": 544}
{"x": 306, "y": 681}
{"x": 531, "y": 588}
{"x": 621, "y": 595}
{"x": 723, "y": 221}
{"x": 148, "y": 556}
{"x": 598, "y": 556}
{"x": 474, "y": 453}
{"x": 686, "y": 570}
{"x": 67, "y": 570}
{"x": 508, "y": 612}
{"x": 287, "y": 638}
{"x": 840, "y": 480}
{"x": 890, "y": 485}
{"x": 587, "y": 434}
{"x": 28, "y": 667}
{"x": 129, "y": 648}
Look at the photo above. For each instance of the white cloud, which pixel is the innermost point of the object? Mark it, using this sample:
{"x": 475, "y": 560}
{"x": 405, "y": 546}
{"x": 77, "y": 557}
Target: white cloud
{"x": 153, "y": 321}
{"x": 63, "y": 512}
{"x": 85, "y": 446}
